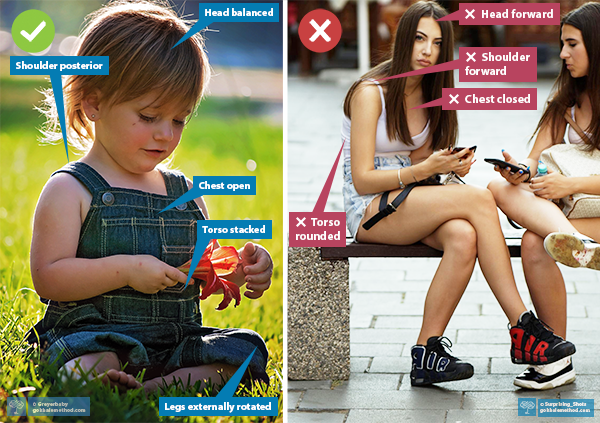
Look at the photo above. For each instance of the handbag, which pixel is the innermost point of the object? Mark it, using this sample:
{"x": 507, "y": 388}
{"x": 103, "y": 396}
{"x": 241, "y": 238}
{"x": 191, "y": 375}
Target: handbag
{"x": 574, "y": 160}
{"x": 386, "y": 209}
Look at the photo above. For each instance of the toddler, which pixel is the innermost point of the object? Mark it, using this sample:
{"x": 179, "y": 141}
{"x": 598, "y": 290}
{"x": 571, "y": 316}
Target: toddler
{"x": 102, "y": 257}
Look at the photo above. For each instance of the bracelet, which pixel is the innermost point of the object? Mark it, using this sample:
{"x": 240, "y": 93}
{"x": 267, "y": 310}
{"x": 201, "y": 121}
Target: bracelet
{"x": 402, "y": 186}
{"x": 526, "y": 170}
{"x": 413, "y": 174}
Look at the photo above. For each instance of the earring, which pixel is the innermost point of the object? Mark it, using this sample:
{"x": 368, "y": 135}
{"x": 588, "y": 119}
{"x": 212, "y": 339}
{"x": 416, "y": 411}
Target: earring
{"x": 93, "y": 116}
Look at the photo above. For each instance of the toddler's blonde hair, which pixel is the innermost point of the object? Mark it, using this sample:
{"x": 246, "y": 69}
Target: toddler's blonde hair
{"x": 138, "y": 38}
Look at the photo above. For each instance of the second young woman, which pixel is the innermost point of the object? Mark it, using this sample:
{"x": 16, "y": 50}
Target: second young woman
{"x": 524, "y": 198}
{"x": 390, "y": 144}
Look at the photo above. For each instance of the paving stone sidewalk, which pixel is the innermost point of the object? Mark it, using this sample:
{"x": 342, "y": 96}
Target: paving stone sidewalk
{"x": 387, "y": 295}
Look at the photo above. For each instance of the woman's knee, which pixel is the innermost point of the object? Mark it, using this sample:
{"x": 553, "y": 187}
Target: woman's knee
{"x": 500, "y": 189}
{"x": 532, "y": 249}
{"x": 496, "y": 186}
{"x": 480, "y": 199}
{"x": 460, "y": 237}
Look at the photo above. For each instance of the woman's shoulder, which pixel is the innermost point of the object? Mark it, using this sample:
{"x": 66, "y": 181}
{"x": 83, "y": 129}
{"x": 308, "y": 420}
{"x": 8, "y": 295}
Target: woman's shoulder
{"x": 367, "y": 94}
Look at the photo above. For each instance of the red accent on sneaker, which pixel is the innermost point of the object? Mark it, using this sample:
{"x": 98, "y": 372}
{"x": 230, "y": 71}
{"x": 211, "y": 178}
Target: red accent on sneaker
{"x": 516, "y": 336}
{"x": 540, "y": 351}
{"x": 528, "y": 346}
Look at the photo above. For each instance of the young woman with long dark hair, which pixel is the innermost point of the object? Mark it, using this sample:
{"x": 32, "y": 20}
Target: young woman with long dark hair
{"x": 523, "y": 198}
{"x": 388, "y": 145}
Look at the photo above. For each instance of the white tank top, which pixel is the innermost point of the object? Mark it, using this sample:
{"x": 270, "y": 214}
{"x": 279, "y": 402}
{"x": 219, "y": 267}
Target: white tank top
{"x": 574, "y": 137}
{"x": 383, "y": 145}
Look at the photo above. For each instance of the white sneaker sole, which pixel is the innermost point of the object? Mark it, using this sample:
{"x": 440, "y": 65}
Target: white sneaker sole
{"x": 559, "y": 381}
{"x": 571, "y": 251}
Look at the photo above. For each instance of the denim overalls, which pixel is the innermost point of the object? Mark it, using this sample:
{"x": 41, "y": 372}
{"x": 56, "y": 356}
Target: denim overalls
{"x": 158, "y": 332}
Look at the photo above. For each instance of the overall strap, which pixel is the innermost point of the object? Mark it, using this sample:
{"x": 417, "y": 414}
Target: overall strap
{"x": 175, "y": 182}
{"x": 92, "y": 180}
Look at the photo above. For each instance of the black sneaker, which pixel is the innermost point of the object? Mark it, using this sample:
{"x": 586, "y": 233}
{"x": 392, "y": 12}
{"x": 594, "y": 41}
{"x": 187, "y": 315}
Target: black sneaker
{"x": 533, "y": 343}
{"x": 547, "y": 376}
{"x": 433, "y": 364}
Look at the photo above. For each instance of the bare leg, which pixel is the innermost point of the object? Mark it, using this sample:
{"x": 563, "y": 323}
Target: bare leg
{"x": 545, "y": 282}
{"x": 530, "y": 211}
{"x": 458, "y": 240}
{"x": 216, "y": 372}
{"x": 428, "y": 207}
{"x": 544, "y": 279}
{"x": 104, "y": 366}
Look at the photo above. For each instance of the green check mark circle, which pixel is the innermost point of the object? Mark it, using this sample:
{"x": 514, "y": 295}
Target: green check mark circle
{"x": 33, "y": 31}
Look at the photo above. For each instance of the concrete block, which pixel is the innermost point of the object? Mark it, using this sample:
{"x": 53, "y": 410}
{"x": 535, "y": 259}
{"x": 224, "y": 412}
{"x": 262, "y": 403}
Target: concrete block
{"x": 318, "y": 317}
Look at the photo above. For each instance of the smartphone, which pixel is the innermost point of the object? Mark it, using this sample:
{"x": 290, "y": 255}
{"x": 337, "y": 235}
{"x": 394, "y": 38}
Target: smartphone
{"x": 497, "y": 162}
{"x": 457, "y": 149}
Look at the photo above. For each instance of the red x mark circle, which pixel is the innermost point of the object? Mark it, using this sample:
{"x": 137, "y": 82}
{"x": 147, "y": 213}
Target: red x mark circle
{"x": 320, "y": 30}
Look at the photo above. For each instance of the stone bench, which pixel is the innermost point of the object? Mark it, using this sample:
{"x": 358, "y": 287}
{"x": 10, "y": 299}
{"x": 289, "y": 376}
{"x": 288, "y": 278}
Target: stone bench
{"x": 319, "y": 304}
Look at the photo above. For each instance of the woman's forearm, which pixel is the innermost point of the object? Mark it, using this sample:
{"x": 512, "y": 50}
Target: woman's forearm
{"x": 374, "y": 181}
{"x": 586, "y": 185}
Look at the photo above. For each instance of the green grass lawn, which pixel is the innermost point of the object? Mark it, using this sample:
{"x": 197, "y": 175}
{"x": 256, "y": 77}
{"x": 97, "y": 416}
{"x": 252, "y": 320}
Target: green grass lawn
{"x": 218, "y": 141}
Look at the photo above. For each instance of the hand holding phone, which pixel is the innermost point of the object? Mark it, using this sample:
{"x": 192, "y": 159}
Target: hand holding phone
{"x": 503, "y": 165}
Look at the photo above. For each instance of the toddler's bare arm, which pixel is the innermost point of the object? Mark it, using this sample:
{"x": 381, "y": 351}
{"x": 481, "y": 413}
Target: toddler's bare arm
{"x": 56, "y": 271}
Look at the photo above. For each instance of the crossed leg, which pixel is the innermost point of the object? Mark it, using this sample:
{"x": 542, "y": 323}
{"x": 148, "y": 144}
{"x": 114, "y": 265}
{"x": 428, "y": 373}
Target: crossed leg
{"x": 543, "y": 276}
{"x": 422, "y": 216}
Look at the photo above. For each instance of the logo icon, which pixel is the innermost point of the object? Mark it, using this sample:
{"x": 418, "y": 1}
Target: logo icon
{"x": 527, "y": 407}
{"x": 33, "y": 31}
{"x": 16, "y": 406}
{"x": 320, "y": 30}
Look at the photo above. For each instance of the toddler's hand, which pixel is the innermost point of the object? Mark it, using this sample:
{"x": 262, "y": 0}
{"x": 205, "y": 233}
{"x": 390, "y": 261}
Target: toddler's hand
{"x": 257, "y": 266}
{"x": 150, "y": 275}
